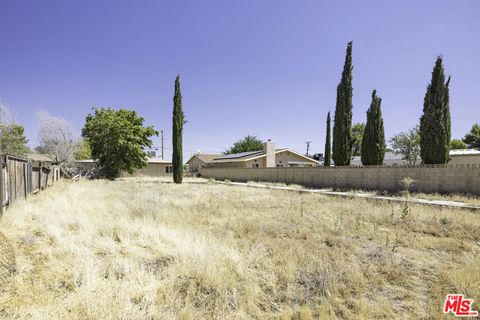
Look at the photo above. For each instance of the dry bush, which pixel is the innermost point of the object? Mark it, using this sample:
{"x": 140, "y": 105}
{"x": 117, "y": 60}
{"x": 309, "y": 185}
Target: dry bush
{"x": 56, "y": 138}
{"x": 140, "y": 249}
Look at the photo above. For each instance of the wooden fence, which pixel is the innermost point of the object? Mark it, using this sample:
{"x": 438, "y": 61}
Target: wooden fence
{"x": 21, "y": 177}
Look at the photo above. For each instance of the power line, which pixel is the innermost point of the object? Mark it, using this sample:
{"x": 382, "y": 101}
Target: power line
{"x": 196, "y": 145}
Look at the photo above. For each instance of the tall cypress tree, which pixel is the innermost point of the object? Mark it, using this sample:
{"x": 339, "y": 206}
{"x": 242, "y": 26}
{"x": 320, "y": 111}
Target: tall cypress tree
{"x": 178, "y": 121}
{"x": 342, "y": 127}
{"x": 373, "y": 142}
{"x": 435, "y": 125}
{"x": 327, "y": 159}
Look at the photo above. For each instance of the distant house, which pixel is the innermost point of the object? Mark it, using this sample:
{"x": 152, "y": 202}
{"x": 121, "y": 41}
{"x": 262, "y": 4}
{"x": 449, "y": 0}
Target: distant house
{"x": 457, "y": 156}
{"x": 464, "y": 156}
{"x": 319, "y": 157}
{"x": 156, "y": 167}
{"x": 390, "y": 159}
{"x": 199, "y": 160}
{"x": 269, "y": 157}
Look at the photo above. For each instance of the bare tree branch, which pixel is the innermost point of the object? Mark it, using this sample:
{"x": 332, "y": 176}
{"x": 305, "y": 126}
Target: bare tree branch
{"x": 6, "y": 114}
{"x": 56, "y": 137}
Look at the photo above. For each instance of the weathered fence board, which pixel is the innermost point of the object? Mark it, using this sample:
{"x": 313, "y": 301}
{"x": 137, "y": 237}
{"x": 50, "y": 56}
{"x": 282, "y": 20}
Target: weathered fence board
{"x": 20, "y": 177}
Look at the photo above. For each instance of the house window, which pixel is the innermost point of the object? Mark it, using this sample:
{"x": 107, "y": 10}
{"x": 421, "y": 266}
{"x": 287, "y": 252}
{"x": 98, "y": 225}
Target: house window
{"x": 168, "y": 169}
{"x": 255, "y": 165}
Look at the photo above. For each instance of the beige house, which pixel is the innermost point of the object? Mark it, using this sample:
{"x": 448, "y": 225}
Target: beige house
{"x": 156, "y": 167}
{"x": 199, "y": 160}
{"x": 269, "y": 157}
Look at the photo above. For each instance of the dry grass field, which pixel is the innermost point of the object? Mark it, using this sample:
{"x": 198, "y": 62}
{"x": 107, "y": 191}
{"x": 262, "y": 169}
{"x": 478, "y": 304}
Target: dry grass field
{"x": 140, "y": 249}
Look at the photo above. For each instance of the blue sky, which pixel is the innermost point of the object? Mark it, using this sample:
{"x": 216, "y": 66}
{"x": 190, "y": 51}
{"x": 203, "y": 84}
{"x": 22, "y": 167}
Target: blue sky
{"x": 268, "y": 68}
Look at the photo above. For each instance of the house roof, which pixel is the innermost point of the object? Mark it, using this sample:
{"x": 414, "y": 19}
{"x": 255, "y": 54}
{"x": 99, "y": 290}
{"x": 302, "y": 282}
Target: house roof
{"x": 158, "y": 160}
{"x": 246, "y": 156}
{"x": 205, "y": 157}
{"x": 239, "y": 155}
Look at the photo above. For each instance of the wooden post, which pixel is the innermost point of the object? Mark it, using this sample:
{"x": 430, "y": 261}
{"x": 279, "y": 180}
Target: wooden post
{"x": 30, "y": 182}
{"x": 40, "y": 177}
{"x": 25, "y": 178}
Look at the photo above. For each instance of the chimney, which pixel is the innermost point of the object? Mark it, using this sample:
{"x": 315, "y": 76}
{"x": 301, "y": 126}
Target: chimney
{"x": 269, "y": 149}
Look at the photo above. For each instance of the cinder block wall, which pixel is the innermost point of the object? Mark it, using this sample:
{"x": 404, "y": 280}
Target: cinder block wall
{"x": 434, "y": 178}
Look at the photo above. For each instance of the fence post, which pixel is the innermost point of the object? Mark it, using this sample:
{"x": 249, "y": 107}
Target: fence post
{"x": 30, "y": 182}
{"x": 25, "y": 180}
{"x": 1, "y": 184}
{"x": 40, "y": 177}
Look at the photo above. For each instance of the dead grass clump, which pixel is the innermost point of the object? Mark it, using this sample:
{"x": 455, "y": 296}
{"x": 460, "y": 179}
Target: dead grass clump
{"x": 7, "y": 261}
{"x": 138, "y": 249}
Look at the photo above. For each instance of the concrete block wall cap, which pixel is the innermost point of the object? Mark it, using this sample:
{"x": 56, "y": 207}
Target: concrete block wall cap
{"x": 420, "y": 166}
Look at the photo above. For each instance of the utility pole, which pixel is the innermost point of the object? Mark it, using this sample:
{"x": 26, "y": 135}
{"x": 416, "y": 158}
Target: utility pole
{"x": 308, "y": 146}
{"x": 162, "y": 143}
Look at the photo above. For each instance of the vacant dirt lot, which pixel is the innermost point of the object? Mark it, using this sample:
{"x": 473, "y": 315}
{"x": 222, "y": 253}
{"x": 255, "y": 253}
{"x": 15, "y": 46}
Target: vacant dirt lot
{"x": 140, "y": 249}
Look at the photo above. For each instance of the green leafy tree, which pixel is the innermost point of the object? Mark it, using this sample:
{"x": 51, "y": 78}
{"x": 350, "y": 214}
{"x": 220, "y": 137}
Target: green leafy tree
{"x": 342, "y": 127}
{"x": 12, "y": 135}
{"x": 357, "y": 136}
{"x": 472, "y": 139}
{"x": 248, "y": 143}
{"x": 327, "y": 160}
{"x": 435, "y": 125}
{"x": 373, "y": 142}
{"x": 13, "y": 140}
{"x": 177, "y": 133}
{"x": 407, "y": 144}
{"x": 84, "y": 151}
{"x": 117, "y": 139}
{"x": 456, "y": 144}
